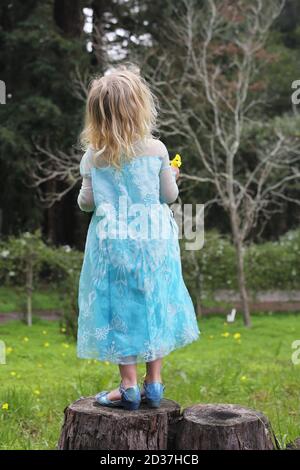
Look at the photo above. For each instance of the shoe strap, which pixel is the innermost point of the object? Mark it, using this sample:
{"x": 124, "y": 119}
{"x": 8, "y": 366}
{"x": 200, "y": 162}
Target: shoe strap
{"x": 122, "y": 389}
{"x": 145, "y": 384}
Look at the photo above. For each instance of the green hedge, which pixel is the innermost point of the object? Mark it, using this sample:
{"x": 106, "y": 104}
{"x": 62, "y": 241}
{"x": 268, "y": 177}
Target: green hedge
{"x": 268, "y": 266}
{"x": 59, "y": 266}
{"x": 50, "y": 263}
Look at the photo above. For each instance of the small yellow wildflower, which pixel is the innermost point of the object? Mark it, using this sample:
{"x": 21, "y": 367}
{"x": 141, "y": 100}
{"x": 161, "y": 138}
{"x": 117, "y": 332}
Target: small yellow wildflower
{"x": 63, "y": 354}
{"x": 95, "y": 361}
{"x": 66, "y": 345}
{"x": 89, "y": 362}
{"x": 9, "y": 350}
{"x": 13, "y": 373}
{"x": 237, "y": 336}
{"x": 226, "y": 334}
{"x": 37, "y": 392}
{"x": 106, "y": 363}
{"x": 46, "y": 345}
{"x": 5, "y": 406}
{"x": 25, "y": 339}
{"x": 63, "y": 330}
{"x": 44, "y": 332}
{"x": 243, "y": 378}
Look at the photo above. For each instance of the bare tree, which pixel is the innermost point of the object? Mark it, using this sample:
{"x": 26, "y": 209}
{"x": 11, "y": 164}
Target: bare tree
{"x": 50, "y": 166}
{"x": 212, "y": 105}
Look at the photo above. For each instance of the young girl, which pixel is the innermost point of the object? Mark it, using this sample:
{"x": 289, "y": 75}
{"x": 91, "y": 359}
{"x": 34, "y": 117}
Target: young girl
{"x": 133, "y": 303}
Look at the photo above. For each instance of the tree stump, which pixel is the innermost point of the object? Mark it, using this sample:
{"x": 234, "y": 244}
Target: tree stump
{"x": 224, "y": 427}
{"x": 88, "y": 425}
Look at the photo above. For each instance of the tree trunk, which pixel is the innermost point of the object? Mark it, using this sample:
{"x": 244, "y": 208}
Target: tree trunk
{"x": 197, "y": 276}
{"x": 29, "y": 288}
{"x": 242, "y": 283}
{"x": 224, "y": 427}
{"x": 69, "y": 17}
{"x": 88, "y": 425}
{"x": 240, "y": 267}
{"x": 99, "y": 54}
{"x": 198, "y": 307}
{"x": 51, "y": 214}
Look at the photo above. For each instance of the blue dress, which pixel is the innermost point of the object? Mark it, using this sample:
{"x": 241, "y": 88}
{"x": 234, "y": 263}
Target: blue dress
{"x": 133, "y": 303}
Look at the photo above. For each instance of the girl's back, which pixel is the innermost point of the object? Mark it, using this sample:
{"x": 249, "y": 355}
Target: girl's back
{"x": 148, "y": 179}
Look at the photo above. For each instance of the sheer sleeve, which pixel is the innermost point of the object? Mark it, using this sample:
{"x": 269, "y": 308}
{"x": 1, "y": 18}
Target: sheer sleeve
{"x": 85, "y": 198}
{"x": 168, "y": 186}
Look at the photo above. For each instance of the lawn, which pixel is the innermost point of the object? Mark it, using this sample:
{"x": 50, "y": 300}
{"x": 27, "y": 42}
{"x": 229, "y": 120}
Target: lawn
{"x": 229, "y": 364}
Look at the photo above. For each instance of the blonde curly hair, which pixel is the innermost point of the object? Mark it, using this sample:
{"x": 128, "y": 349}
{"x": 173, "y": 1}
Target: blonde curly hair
{"x": 120, "y": 110}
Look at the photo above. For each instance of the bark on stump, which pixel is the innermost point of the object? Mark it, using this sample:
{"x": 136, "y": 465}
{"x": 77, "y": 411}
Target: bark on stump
{"x": 88, "y": 425}
{"x": 224, "y": 427}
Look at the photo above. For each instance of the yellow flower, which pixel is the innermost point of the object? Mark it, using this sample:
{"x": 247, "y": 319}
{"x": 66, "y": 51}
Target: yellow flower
{"x": 25, "y": 339}
{"x": 37, "y": 392}
{"x": 63, "y": 330}
{"x": 89, "y": 362}
{"x": 46, "y": 345}
{"x": 63, "y": 354}
{"x": 243, "y": 378}
{"x": 9, "y": 350}
{"x": 226, "y": 334}
{"x": 237, "y": 336}
{"x": 44, "y": 332}
{"x": 13, "y": 373}
{"x": 5, "y": 406}
{"x": 106, "y": 363}
{"x": 95, "y": 361}
{"x": 66, "y": 345}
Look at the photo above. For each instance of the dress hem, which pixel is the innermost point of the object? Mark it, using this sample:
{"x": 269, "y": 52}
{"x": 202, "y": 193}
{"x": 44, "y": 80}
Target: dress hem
{"x": 140, "y": 356}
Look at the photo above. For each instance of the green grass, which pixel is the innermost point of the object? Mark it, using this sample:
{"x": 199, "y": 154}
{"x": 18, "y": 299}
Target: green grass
{"x": 43, "y": 375}
{"x": 13, "y": 299}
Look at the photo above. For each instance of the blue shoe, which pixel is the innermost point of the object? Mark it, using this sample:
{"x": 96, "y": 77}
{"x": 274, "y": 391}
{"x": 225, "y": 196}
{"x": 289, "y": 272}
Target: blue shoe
{"x": 130, "y": 398}
{"x": 153, "y": 393}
